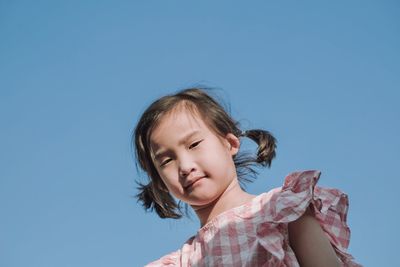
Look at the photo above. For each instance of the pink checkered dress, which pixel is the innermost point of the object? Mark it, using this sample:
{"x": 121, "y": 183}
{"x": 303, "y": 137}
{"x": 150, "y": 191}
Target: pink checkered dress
{"x": 256, "y": 233}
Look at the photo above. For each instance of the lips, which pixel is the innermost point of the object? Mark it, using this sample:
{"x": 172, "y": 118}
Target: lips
{"x": 188, "y": 183}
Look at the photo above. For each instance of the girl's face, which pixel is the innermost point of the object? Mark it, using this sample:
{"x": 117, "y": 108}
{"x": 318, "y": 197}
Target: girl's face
{"x": 195, "y": 164}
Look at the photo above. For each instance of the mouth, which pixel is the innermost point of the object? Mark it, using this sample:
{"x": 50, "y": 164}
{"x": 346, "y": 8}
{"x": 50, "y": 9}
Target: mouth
{"x": 192, "y": 182}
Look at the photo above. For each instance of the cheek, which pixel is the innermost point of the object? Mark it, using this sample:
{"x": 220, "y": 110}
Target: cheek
{"x": 173, "y": 188}
{"x": 169, "y": 177}
{"x": 217, "y": 163}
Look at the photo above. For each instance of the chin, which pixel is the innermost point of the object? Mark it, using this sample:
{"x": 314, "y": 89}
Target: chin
{"x": 203, "y": 199}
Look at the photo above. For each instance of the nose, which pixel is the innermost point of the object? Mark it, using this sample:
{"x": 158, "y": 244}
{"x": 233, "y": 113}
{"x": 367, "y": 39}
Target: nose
{"x": 186, "y": 166}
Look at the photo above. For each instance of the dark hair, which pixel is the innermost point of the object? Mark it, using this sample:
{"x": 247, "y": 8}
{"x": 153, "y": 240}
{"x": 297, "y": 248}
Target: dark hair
{"x": 154, "y": 195}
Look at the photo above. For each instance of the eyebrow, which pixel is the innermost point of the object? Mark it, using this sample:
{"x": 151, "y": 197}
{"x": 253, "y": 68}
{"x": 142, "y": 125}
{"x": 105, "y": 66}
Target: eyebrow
{"x": 159, "y": 154}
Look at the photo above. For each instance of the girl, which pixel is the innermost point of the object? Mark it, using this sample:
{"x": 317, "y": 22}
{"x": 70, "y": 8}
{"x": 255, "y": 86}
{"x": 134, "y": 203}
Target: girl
{"x": 188, "y": 145}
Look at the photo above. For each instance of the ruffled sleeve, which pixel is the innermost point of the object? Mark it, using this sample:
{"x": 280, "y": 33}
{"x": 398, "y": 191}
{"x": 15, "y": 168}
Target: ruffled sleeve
{"x": 171, "y": 259}
{"x": 288, "y": 203}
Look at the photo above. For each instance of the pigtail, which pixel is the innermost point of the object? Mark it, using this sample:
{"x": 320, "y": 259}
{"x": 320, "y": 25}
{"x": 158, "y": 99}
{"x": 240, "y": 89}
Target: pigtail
{"x": 266, "y": 145}
{"x": 162, "y": 201}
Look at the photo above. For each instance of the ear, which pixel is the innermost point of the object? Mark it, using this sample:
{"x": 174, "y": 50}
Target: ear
{"x": 233, "y": 143}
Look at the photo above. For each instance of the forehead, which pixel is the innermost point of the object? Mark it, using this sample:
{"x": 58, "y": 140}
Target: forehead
{"x": 176, "y": 123}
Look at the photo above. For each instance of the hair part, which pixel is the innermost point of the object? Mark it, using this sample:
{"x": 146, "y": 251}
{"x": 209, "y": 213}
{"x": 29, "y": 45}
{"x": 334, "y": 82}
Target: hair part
{"x": 154, "y": 195}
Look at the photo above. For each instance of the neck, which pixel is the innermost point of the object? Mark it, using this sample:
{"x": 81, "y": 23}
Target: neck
{"x": 232, "y": 197}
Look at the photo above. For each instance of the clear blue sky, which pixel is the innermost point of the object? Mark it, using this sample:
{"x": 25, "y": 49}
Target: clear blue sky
{"x": 323, "y": 76}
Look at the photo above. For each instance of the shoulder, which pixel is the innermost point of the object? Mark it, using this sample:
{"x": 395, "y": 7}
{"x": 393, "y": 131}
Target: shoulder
{"x": 298, "y": 194}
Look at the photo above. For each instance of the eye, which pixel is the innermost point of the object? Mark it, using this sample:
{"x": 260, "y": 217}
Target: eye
{"x": 165, "y": 162}
{"x": 195, "y": 144}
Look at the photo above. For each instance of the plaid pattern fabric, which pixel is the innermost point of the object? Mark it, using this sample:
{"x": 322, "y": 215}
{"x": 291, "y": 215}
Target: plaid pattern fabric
{"x": 256, "y": 234}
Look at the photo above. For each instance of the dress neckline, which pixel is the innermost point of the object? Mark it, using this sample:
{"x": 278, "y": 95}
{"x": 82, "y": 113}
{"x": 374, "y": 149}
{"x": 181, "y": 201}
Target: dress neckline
{"x": 230, "y": 211}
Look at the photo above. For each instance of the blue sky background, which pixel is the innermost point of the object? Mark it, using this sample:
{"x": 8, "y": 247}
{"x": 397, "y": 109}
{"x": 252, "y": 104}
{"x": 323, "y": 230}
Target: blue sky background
{"x": 323, "y": 76}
